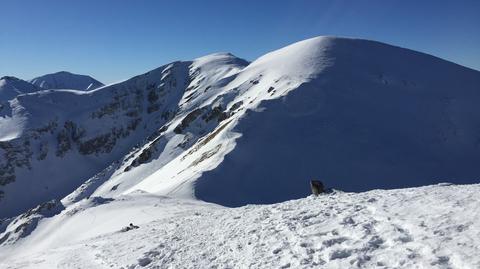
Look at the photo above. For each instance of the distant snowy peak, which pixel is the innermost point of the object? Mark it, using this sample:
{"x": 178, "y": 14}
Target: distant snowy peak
{"x": 67, "y": 80}
{"x": 10, "y": 87}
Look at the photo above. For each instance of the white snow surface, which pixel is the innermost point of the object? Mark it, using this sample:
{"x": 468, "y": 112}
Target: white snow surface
{"x": 427, "y": 227}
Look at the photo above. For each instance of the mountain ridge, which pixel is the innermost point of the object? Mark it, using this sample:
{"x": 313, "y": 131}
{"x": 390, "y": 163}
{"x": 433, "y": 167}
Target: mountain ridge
{"x": 10, "y": 87}
{"x": 182, "y": 128}
{"x": 66, "y": 80}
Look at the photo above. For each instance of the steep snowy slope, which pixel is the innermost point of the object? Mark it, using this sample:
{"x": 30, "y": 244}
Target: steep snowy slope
{"x": 427, "y": 227}
{"x": 357, "y": 114}
{"x": 370, "y": 119}
{"x": 67, "y": 80}
{"x": 68, "y": 136}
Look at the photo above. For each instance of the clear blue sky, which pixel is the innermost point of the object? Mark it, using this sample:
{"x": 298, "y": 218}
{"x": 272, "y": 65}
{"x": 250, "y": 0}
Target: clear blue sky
{"x": 117, "y": 39}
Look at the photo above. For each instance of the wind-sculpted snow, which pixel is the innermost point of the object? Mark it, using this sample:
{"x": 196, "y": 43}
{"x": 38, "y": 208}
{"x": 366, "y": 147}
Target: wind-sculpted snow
{"x": 427, "y": 227}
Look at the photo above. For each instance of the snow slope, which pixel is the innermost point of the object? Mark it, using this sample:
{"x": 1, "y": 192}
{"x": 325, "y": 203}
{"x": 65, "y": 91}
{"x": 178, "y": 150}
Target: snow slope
{"x": 10, "y": 87}
{"x": 353, "y": 113}
{"x": 427, "y": 227}
{"x": 66, "y": 80}
{"x": 368, "y": 120}
{"x": 68, "y": 136}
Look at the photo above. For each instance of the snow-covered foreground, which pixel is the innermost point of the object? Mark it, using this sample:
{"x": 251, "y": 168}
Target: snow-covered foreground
{"x": 427, "y": 227}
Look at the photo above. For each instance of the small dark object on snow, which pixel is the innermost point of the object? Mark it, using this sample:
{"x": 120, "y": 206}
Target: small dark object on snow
{"x": 129, "y": 227}
{"x": 317, "y": 187}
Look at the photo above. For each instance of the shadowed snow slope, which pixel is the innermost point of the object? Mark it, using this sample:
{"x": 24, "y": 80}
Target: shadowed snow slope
{"x": 426, "y": 227}
{"x": 376, "y": 116}
{"x": 67, "y": 80}
{"x": 10, "y": 87}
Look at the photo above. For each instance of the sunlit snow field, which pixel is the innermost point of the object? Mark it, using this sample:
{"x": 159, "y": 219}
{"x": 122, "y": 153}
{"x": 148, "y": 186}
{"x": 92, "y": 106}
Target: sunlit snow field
{"x": 428, "y": 227}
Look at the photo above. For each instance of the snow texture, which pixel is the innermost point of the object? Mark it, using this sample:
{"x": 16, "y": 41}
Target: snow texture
{"x": 426, "y": 227}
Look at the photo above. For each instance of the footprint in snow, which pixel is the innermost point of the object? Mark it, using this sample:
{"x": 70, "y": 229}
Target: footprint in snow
{"x": 340, "y": 254}
{"x": 348, "y": 221}
{"x": 330, "y": 242}
{"x": 144, "y": 261}
{"x": 276, "y": 251}
{"x": 441, "y": 260}
{"x": 374, "y": 243}
{"x": 405, "y": 236}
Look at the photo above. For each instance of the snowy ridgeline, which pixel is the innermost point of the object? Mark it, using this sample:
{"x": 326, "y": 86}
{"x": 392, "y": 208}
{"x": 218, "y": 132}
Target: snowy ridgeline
{"x": 427, "y": 227}
{"x": 78, "y": 166}
{"x": 358, "y": 114}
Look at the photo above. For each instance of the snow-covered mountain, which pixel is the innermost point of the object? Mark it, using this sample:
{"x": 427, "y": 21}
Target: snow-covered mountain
{"x": 358, "y": 114}
{"x": 354, "y": 113}
{"x": 68, "y": 136}
{"x": 10, "y": 87}
{"x": 66, "y": 80}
